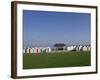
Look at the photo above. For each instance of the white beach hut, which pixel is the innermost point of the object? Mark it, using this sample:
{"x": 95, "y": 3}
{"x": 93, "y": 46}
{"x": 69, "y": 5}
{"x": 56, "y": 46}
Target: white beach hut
{"x": 77, "y": 48}
{"x": 27, "y": 50}
{"x": 69, "y": 48}
{"x": 24, "y": 50}
{"x": 88, "y": 48}
{"x": 48, "y": 49}
{"x": 80, "y": 47}
{"x": 32, "y": 50}
{"x": 72, "y": 48}
{"x": 85, "y": 48}
{"x": 37, "y": 50}
{"x": 44, "y": 50}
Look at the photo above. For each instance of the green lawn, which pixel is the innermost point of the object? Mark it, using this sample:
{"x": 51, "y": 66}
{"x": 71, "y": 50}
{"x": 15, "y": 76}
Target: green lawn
{"x": 61, "y": 59}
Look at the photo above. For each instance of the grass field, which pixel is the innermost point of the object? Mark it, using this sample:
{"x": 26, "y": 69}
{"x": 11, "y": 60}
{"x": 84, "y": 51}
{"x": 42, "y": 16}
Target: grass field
{"x": 61, "y": 59}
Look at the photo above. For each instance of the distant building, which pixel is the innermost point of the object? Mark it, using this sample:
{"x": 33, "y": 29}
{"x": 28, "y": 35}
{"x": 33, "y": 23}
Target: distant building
{"x": 60, "y": 46}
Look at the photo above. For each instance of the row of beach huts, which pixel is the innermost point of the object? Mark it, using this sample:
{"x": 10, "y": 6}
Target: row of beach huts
{"x": 37, "y": 50}
{"x": 57, "y": 49}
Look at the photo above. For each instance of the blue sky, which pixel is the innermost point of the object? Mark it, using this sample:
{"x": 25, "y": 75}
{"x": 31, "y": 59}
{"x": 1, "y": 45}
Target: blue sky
{"x": 45, "y": 28}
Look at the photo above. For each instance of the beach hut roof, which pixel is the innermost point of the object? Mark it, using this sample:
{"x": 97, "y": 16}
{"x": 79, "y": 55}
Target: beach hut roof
{"x": 59, "y": 45}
